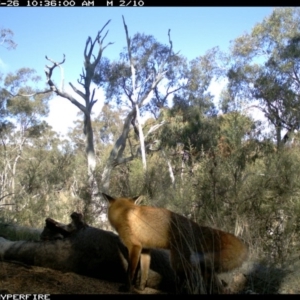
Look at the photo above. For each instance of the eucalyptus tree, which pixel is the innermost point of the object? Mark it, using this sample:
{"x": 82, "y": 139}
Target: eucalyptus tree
{"x": 266, "y": 64}
{"x": 143, "y": 79}
{"x": 22, "y": 111}
{"x": 191, "y": 125}
{"x": 6, "y": 41}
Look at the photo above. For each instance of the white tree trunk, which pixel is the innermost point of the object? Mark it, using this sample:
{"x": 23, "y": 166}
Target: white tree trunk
{"x": 170, "y": 168}
{"x": 141, "y": 136}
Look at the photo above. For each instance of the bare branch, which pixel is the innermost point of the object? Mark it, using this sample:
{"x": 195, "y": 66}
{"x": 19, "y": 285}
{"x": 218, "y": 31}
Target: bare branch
{"x": 80, "y": 93}
{"x": 169, "y": 55}
{"x": 273, "y": 110}
{"x": 55, "y": 64}
{"x": 136, "y": 131}
{"x": 92, "y": 102}
{"x": 148, "y": 95}
{"x": 91, "y": 43}
{"x": 162, "y": 101}
{"x": 116, "y": 154}
{"x": 57, "y": 90}
{"x": 29, "y": 95}
{"x": 93, "y": 95}
{"x": 161, "y": 73}
{"x": 106, "y": 31}
{"x": 171, "y": 174}
{"x": 170, "y": 41}
{"x": 154, "y": 128}
{"x": 49, "y": 73}
{"x": 121, "y": 142}
{"x": 88, "y": 41}
{"x": 132, "y": 67}
{"x": 127, "y": 38}
{"x": 88, "y": 73}
{"x": 72, "y": 100}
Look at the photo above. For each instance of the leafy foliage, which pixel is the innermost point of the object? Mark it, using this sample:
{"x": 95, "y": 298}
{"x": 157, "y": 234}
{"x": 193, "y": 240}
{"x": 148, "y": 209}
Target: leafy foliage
{"x": 6, "y": 38}
{"x": 266, "y": 67}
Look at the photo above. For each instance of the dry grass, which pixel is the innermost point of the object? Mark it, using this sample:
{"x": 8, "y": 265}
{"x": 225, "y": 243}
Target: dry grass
{"x": 17, "y": 278}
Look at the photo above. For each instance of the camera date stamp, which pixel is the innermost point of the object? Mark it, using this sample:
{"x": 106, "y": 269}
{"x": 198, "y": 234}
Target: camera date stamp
{"x": 70, "y": 3}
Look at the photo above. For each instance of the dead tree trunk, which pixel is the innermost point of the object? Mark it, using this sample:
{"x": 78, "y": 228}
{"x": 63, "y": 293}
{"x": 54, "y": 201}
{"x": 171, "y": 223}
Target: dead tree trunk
{"x": 89, "y": 101}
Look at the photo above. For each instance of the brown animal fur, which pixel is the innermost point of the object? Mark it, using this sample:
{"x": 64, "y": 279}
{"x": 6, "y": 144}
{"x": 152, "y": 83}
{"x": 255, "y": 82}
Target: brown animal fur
{"x": 197, "y": 252}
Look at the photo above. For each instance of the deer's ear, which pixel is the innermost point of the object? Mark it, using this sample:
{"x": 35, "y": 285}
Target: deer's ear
{"x": 137, "y": 199}
{"x": 108, "y": 198}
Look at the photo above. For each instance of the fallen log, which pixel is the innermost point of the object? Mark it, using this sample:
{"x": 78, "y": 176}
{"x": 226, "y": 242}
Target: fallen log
{"x": 80, "y": 248}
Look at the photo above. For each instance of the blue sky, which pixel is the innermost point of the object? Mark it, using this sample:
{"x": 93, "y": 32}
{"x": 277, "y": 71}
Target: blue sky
{"x": 57, "y": 31}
